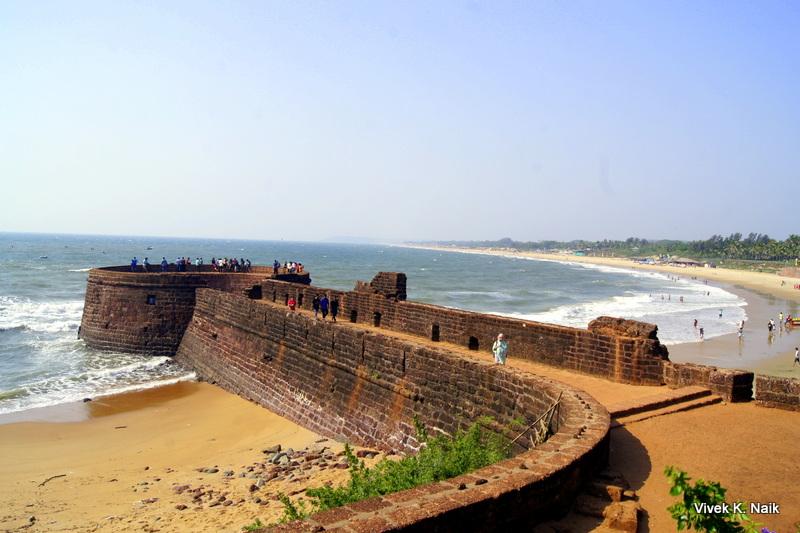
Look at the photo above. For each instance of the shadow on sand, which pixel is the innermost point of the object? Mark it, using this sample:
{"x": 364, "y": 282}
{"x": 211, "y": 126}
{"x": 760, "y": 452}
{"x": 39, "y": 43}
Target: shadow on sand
{"x": 629, "y": 457}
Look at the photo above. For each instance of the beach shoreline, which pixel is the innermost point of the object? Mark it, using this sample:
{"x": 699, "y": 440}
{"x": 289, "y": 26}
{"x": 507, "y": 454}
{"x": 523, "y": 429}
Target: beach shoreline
{"x": 122, "y": 468}
{"x": 763, "y": 292}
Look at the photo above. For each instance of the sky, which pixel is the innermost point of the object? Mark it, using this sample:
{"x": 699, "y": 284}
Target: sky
{"x": 406, "y": 120}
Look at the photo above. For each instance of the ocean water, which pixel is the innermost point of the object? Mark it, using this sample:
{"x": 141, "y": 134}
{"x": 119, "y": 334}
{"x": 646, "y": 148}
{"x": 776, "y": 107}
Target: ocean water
{"x": 43, "y": 278}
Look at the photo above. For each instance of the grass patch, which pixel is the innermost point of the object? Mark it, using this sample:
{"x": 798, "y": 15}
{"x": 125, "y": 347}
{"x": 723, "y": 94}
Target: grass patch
{"x": 255, "y": 526}
{"x": 441, "y": 457}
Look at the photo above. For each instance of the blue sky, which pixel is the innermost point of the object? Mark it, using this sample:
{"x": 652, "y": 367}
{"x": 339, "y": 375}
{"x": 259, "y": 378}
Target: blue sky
{"x": 400, "y": 120}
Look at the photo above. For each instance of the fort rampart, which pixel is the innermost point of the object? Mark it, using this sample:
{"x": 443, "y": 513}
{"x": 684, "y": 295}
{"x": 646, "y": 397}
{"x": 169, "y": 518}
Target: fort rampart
{"x": 621, "y": 350}
{"x": 148, "y": 312}
{"x": 357, "y": 384}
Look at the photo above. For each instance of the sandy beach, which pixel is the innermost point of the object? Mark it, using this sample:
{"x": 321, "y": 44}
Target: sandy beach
{"x": 132, "y": 463}
{"x": 766, "y": 295}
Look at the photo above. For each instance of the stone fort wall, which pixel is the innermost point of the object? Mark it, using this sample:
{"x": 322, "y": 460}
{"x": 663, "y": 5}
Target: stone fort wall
{"x": 620, "y": 350}
{"x": 148, "y": 312}
{"x": 353, "y": 383}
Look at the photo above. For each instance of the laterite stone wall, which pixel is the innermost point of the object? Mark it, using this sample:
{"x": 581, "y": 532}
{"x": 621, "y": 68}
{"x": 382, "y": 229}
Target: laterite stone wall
{"x": 357, "y": 384}
{"x": 626, "y": 351}
{"x": 148, "y": 312}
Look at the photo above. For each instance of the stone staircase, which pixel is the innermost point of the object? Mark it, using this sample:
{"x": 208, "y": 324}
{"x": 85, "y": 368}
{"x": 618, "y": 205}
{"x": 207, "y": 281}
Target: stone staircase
{"x": 607, "y": 504}
{"x": 665, "y": 403}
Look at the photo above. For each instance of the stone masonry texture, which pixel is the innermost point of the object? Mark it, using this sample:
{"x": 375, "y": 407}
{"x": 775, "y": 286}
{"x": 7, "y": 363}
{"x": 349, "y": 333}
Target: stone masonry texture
{"x": 363, "y": 386}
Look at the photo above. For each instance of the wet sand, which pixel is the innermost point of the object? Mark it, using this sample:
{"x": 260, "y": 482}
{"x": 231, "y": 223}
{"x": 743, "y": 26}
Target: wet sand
{"x": 102, "y": 473}
{"x": 757, "y": 350}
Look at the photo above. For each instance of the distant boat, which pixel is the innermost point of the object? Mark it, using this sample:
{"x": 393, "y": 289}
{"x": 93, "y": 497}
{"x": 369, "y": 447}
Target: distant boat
{"x": 149, "y": 248}
{"x": 42, "y": 257}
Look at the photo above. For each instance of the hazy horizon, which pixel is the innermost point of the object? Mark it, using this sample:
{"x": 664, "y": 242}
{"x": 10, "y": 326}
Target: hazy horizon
{"x": 396, "y": 122}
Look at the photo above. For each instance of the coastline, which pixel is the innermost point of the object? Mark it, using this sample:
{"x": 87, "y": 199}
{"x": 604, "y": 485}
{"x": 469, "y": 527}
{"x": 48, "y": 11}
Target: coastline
{"x": 118, "y": 468}
{"x": 763, "y": 292}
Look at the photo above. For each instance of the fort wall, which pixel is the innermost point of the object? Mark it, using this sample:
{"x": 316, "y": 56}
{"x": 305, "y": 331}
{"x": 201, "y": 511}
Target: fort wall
{"x": 783, "y": 393}
{"x": 148, "y": 312}
{"x": 620, "y": 350}
{"x": 731, "y": 385}
{"x": 354, "y": 383}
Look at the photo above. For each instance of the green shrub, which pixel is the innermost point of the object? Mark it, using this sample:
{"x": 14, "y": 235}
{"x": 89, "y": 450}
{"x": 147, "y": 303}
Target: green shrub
{"x": 440, "y": 457}
{"x": 690, "y": 512}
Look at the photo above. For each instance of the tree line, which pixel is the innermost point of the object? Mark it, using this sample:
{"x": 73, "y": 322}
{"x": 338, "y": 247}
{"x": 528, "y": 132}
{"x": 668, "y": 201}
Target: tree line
{"x": 756, "y": 247}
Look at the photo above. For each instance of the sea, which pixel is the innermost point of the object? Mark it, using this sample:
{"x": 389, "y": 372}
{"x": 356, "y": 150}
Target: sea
{"x": 43, "y": 283}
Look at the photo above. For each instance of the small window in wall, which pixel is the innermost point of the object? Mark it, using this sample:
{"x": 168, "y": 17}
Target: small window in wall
{"x": 354, "y": 316}
{"x": 151, "y": 299}
{"x": 274, "y": 296}
{"x": 435, "y": 333}
{"x": 285, "y": 299}
{"x": 473, "y": 343}
{"x": 376, "y": 319}
{"x": 300, "y": 300}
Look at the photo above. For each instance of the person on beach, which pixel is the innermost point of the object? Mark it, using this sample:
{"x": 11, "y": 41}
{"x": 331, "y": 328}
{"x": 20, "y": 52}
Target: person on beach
{"x": 334, "y": 308}
{"x": 323, "y": 306}
{"x": 315, "y": 306}
{"x": 695, "y": 323}
{"x": 720, "y": 313}
{"x": 796, "y": 357}
{"x": 500, "y": 349}
{"x": 702, "y": 334}
{"x": 292, "y": 303}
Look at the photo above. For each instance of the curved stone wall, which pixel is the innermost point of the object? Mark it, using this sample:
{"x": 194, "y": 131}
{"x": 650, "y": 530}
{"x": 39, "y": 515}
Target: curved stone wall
{"x": 353, "y": 382}
{"x": 148, "y": 312}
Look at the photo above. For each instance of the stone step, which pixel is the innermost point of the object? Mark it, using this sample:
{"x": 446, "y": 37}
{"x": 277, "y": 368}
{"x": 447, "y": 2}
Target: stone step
{"x": 589, "y": 505}
{"x": 657, "y": 401}
{"x": 670, "y": 409}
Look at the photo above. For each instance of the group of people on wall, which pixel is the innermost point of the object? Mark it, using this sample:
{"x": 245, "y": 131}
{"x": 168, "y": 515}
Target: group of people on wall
{"x": 319, "y": 305}
{"x": 185, "y": 264}
{"x": 291, "y": 267}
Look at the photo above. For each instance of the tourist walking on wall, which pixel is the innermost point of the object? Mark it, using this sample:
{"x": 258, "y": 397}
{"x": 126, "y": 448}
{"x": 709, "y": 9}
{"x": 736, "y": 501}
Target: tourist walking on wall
{"x": 334, "y": 308}
{"x": 323, "y": 306}
{"x": 134, "y": 261}
{"x": 315, "y": 306}
{"x": 796, "y": 357}
{"x": 164, "y": 264}
{"x": 292, "y": 303}
{"x": 500, "y": 349}
{"x": 146, "y": 264}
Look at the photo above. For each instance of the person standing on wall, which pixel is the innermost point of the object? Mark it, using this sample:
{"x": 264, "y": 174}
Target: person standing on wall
{"x": 323, "y": 306}
{"x": 334, "y": 308}
{"x": 146, "y": 264}
{"x": 292, "y": 303}
{"x": 500, "y": 349}
{"x": 133, "y": 264}
{"x": 315, "y": 306}
{"x": 796, "y": 357}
